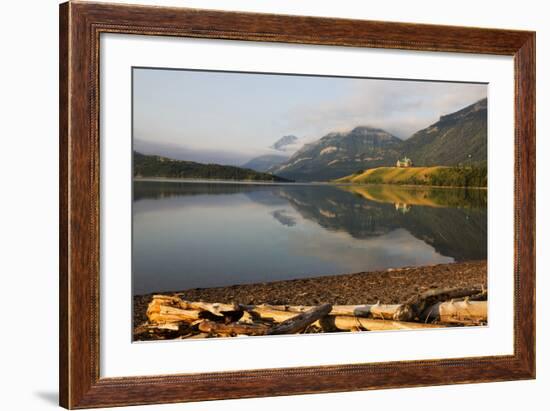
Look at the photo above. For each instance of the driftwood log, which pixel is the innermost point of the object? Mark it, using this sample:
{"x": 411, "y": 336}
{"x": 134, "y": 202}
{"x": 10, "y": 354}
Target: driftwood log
{"x": 398, "y": 312}
{"x": 218, "y": 309}
{"x": 266, "y": 313}
{"x": 351, "y": 323}
{"x": 161, "y": 313}
{"x": 458, "y": 312}
{"x": 208, "y": 326}
{"x": 301, "y": 321}
{"x": 172, "y": 317}
{"x": 418, "y": 304}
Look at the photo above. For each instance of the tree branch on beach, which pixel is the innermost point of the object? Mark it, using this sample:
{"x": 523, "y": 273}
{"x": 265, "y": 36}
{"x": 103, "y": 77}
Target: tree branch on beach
{"x": 300, "y": 321}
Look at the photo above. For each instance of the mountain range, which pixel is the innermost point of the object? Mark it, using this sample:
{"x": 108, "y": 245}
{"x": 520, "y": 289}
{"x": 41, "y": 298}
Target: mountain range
{"x": 457, "y": 138}
{"x": 339, "y": 154}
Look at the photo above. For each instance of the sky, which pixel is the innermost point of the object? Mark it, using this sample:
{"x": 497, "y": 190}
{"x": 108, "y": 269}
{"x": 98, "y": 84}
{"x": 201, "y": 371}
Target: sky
{"x": 230, "y": 117}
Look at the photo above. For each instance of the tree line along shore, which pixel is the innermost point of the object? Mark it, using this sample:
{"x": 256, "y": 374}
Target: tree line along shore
{"x": 146, "y": 166}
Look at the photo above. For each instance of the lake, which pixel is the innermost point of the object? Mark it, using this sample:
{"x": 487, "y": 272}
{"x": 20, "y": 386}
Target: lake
{"x": 208, "y": 234}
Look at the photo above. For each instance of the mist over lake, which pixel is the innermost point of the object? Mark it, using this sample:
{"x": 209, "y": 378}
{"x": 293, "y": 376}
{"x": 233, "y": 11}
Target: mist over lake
{"x": 205, "y": 234}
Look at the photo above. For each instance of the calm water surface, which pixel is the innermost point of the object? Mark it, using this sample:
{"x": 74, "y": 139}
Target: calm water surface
{"x": 196, "y": 234}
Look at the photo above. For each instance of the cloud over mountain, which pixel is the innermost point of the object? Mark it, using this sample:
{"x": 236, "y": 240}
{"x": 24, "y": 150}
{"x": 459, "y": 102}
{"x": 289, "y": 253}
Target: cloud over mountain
{"x": 400, "y": 107}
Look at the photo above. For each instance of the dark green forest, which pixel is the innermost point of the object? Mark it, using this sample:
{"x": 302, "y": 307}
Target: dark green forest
{"x": 156, "y": 166}
{"x": 459, "y": 176}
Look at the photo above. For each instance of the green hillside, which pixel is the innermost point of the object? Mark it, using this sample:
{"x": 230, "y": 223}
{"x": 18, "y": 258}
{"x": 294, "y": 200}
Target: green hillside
{"x": 457, "y": 138}
{"x": 156, "y": 166}
{"x": 432, "y": 176}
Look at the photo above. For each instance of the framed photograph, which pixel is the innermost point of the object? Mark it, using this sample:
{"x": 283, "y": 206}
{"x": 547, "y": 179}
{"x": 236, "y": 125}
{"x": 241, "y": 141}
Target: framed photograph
{"x": 258, "y": 205}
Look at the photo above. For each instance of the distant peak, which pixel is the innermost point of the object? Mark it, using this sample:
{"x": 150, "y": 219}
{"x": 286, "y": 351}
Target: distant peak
{"x": 284, "y": 142}
{"x": 359, "y": 131}
{"x": 366, "y": 129}
{"x": 472, "y": 108}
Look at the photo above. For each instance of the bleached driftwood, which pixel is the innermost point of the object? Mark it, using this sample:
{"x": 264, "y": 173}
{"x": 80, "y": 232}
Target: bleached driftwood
{"x": 174, "y": 317}
{"x": 418, "y": 304}
{"x": 300, "y": 321}
{"x": 218, "y": 309}
{"x": 268, "y": 314}
{"x": 164, "y": 308}
{"x": 458, "y": 312}
{"x": 398, "y": 312}
{"x": 351, "y": 323}
{"x": 208, "y": 326}
{"x": 159, "y": 312}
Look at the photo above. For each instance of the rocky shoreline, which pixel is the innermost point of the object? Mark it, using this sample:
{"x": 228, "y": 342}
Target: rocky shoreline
{"x": 387, "y": 287}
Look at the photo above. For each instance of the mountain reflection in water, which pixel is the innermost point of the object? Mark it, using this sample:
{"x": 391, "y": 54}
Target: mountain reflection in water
{"x": 197, "y": 234}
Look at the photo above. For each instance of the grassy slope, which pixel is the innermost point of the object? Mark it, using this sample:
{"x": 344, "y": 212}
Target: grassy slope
{"x": 391, "y": 175}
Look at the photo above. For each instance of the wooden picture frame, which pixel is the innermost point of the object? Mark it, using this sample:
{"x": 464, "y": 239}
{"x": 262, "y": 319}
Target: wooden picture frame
{"x": 80, "y": 27}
